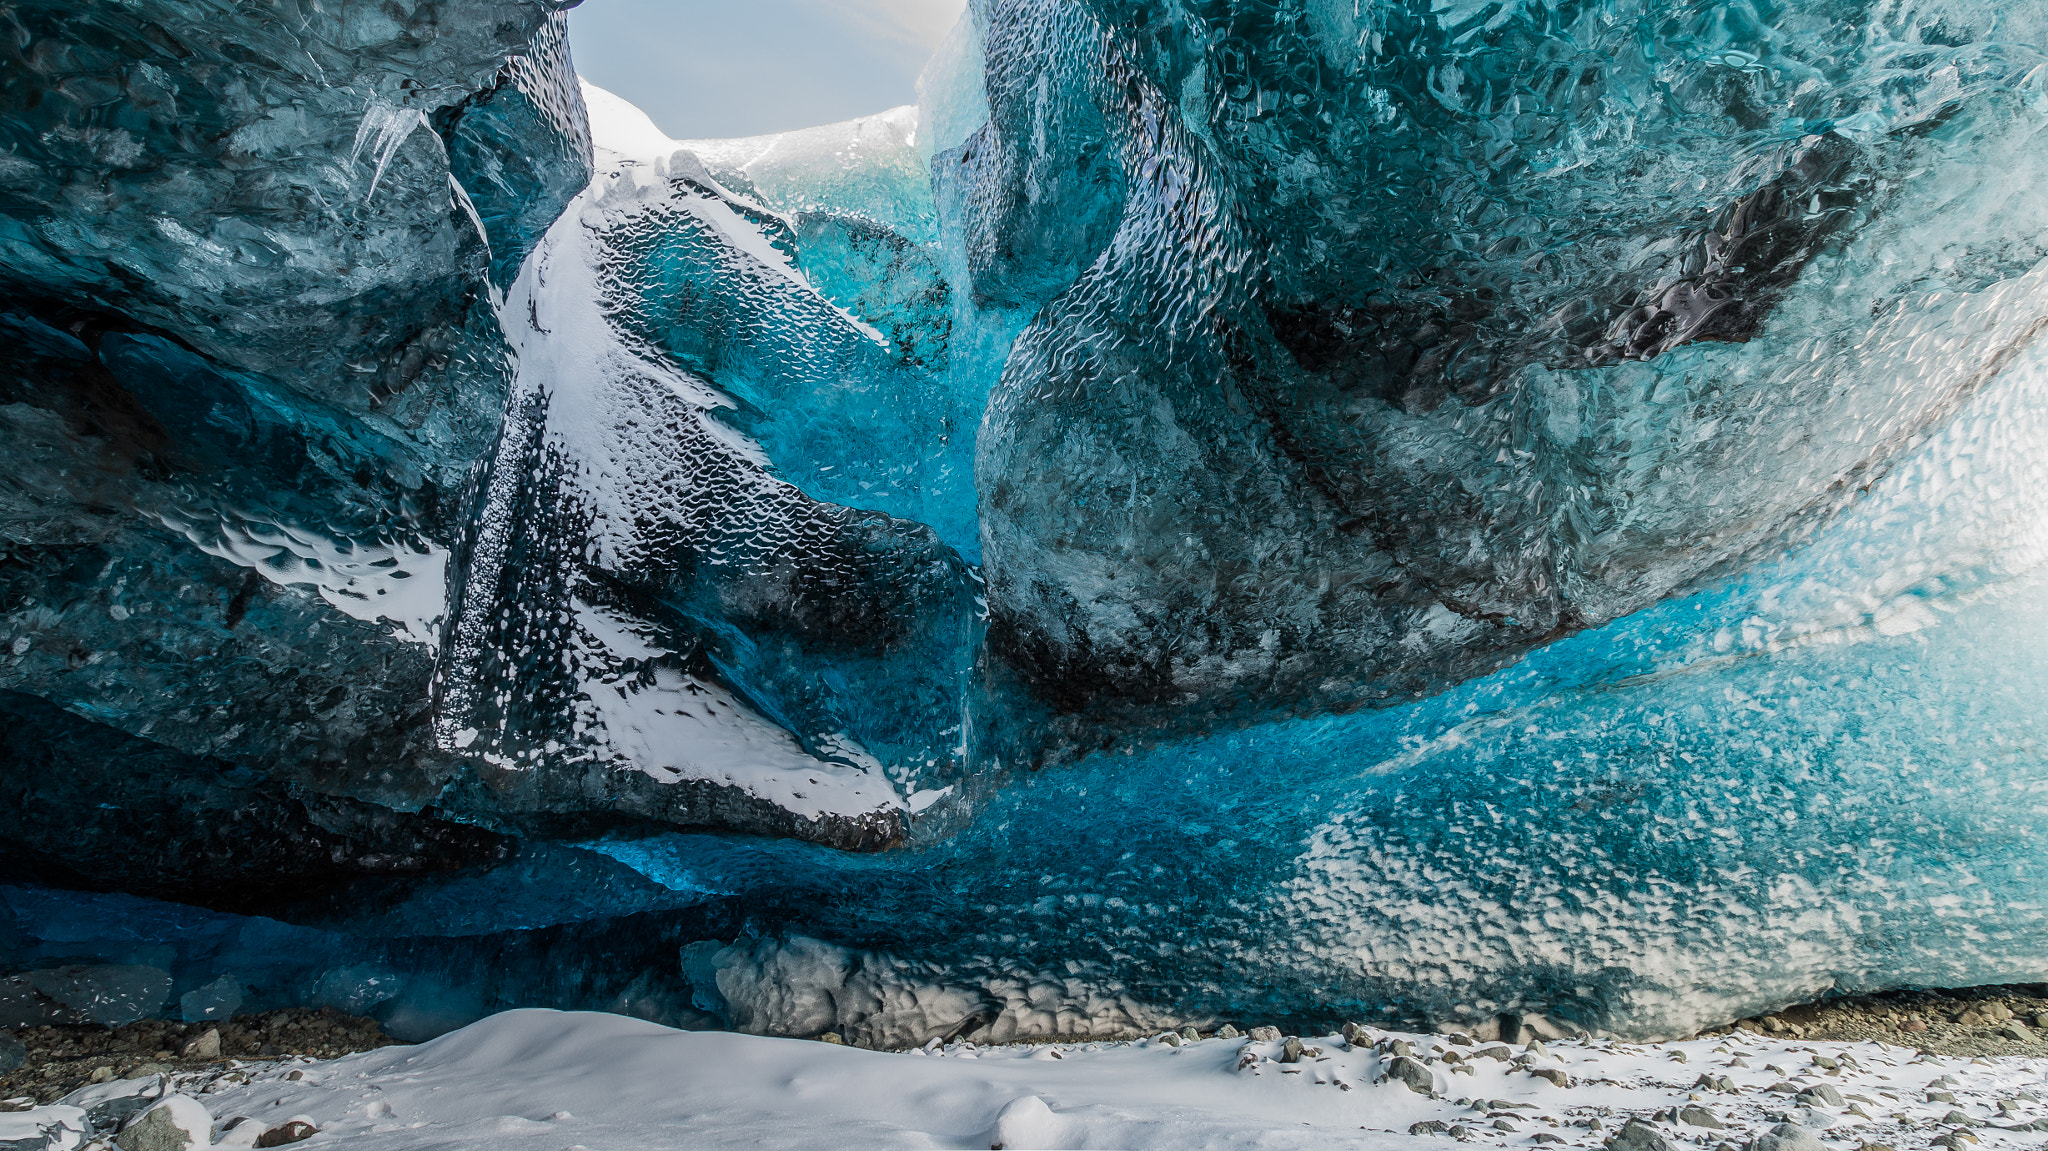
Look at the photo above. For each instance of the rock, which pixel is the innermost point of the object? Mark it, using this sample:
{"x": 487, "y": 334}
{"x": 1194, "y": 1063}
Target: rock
{"x": 1775, "y": 1025}
{"x": 1712, "y": 1082}
{"x": 828, "y": 1037}
{"x": 1412, "y": 1073}
{"x": 1428, "y": 1127}
{"x": 2015, "y": 1030}
{"x": 48, "y": 1129}
{"x": 1636, "y": 1135}
{"x": 1453, "y": 1058}
{"x": 1227, "y": 1032}
{"x": 295, "y": 1129}
{"x": 1265, "y": 1034}
{"x": 1355, "y": 1034}
{"x": 1190, "y": 1034}
{"x": 1941, "y": 1097}
{"x": 1822, "y": 1093}
{"x": 1915, "y": 1025}
{"x": 1783, "y": 1088}
{"x": 1789, "y": 1137}
{"x": 1503, "y": 1054}
{"x": 206, "y": 1046}
{"x": 1826, "y": 1064}
{"x": 17, "y": 1103}
{"x": 1958, "y": 1119}
{"x": 12, "y": 1053}
{"x": 1290, "y": 1052}
{"x": 1172, "y": 1039}
{"x": 179, "y": 1123}
{"x": 1555, "y": 1076}
{"x": 108, "y": 1105}
{"x": 1695, "y": 1116}
{"x": 1504, "y": 1125}
{"x": 1542, "y": 1137}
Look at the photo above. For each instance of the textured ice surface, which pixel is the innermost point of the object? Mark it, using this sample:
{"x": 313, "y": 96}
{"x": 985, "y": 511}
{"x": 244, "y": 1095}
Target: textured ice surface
{"x": 700, "y": 636}
{"x": 1240, "y": 510}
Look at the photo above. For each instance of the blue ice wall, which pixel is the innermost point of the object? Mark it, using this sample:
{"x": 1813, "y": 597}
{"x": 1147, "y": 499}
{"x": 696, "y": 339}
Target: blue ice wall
{"x": 1225, "y": 511}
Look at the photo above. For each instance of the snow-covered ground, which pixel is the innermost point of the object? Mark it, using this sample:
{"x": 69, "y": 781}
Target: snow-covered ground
{"x": 555, "y": 1081}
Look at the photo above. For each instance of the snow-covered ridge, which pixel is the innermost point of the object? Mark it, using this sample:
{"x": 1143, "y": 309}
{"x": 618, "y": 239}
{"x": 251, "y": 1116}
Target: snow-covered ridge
{"x": 553, "y": 1080}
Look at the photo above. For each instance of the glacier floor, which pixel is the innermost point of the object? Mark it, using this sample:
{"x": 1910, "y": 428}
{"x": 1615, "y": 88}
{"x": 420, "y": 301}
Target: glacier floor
{"x": 572, "y": 1081}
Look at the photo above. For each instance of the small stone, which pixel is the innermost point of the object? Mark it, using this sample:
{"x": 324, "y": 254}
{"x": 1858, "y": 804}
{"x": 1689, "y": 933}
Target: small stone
{"x": 1412, "y": 1074}
{"x": 1555, "y": 1076}
{"x": 1822, "y": 1093}
{"x": 828, "y": 1037}
{"x": 206, "y": 1046}
{"x": 1290, "y": 1051}
{"x": 1636, "y": 1135}
{"x": 1453, "y": 1057}
{"x": 1190, "y": 1034}
{"x": 1941, "y": 1097}
{"x": 1789, "y": 1137}
{"x": 1227, "y": 1032}
{"x": 1677, "y": 1056}
{"x": 1700, "y": 1117}
{"x": 1545, "y": 1137}
{"x": 290, "y": 1131}
{"x": 179, "y": 1123}
{"x": 101, "y": 1075}
{"x": 1774, "y": 1024}
{"x": 1354, "y": 1034}
{"x": 1504, "y": 1125}
{"x": 2015, "y": 1030}
{"x": 1265, "y": 1034}
{"x": 1428, "y": 1127}
{"x": 1826, "y": 1064}
{"x": 1957, "y": 1119}
{"x": 1913, "y": 1025}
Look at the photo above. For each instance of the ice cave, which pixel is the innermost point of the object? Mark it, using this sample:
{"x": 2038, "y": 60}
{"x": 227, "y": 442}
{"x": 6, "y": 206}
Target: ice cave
{"x": 1223, "y": 512}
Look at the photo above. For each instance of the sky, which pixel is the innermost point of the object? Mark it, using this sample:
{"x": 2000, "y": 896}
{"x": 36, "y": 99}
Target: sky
{"x": 718, "y": 68}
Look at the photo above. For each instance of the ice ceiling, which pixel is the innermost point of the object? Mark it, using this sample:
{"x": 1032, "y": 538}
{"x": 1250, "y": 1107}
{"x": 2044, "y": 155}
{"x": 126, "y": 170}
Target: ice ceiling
{"x": 1227, "y": 509}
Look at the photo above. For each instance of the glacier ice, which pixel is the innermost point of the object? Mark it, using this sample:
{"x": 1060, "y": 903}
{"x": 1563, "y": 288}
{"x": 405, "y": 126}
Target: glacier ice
{"x": 1226, "y": 511}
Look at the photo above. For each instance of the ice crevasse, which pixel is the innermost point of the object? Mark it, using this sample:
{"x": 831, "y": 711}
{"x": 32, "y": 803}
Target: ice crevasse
{"x": 1221, "y": 511}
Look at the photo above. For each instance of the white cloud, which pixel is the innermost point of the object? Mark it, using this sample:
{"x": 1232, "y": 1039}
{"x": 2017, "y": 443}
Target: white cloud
{"x": 922, "y": 23}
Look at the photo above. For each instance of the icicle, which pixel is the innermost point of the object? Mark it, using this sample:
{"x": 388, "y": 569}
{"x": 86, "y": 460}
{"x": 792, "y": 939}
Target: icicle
{"x": 390, "y": 126}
